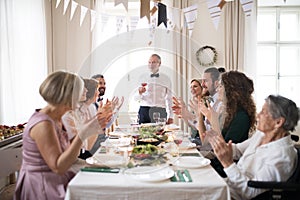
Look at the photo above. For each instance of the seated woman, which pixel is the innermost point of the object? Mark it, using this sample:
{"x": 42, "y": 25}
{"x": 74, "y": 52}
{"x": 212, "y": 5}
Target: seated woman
{"x": 269, "y": 155}
{"x": 182, "y": 111}
{"x": 73, "y": 119}
{"x": 237, "y": 114}
{"x": 47, "y": 153}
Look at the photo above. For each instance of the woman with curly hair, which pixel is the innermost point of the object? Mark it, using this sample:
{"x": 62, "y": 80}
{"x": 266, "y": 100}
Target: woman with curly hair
{"x": 237, "y": 117}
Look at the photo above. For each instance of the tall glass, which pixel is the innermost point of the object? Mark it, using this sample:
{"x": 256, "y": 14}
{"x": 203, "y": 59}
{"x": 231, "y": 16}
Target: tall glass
{"x": 156, "y": 116}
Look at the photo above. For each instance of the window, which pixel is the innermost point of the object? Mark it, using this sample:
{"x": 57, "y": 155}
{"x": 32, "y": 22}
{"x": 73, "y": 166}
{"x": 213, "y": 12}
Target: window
{"x": 278, "y": 52}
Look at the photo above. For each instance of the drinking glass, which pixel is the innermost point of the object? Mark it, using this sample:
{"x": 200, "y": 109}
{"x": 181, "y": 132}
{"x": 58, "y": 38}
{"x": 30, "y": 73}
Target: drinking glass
{"x": 156, "y": 116}
{"x": 178, "y": 137}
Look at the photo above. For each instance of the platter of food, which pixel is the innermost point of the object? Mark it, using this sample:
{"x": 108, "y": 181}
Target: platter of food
{"x": 149, "y": 173}
{"x": 147, "y": 155}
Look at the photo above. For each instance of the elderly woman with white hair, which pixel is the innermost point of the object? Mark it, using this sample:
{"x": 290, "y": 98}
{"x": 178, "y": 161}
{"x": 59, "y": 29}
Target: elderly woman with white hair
{"x": 269, "y": 155}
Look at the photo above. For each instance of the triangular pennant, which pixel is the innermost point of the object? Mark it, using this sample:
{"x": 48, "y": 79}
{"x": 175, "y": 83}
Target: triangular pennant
{"x": 174, "y": 18}
{"x": 145, "y": 9}
{"x": 153, "y": 10}
{"x": 120, "y": 22}
{"x": 162, "y": 14}
{"x": 93, "y": 19}
{"x": 73, "y": 8}
{"x": 66, "y": 3}
{"x": 104, "y": 20}
{"x": 124, "y": 2}
{"x": 190, "y": 14}
{"x": 134, "y": 20}
{"x": 82, "y": 14}
{"x": 57, "y": 3}
{"x": 215, "y": 11}
{"x": 247, "y": 6}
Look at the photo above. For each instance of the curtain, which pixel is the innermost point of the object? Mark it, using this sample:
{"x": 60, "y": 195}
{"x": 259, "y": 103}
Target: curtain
{"x": 23, "y": 63}
{"x": 182, "y": 65}
{"x": 68, "y": 43}
{"x": 234, "y": 32}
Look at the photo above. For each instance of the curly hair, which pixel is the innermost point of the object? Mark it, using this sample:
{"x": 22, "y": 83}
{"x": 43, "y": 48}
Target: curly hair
{"x": 238, "y": 89}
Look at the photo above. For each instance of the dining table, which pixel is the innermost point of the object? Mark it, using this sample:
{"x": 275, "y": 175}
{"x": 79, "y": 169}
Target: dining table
{"x": 203, "y": 183}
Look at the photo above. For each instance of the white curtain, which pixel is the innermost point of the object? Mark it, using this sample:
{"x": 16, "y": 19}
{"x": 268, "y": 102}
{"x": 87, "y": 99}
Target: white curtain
{"x": 234, "y": 35}
{"x": 23, "y": 64}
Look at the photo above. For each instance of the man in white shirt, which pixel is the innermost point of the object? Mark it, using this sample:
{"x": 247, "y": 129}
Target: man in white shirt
{"x": 154, "y": 93}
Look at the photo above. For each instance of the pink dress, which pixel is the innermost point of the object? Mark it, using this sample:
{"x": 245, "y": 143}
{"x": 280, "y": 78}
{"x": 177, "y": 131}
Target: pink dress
{"x": 36, "y": 180}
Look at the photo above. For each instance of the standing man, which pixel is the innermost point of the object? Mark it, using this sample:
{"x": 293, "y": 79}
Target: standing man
{"x": 154, "y": 93}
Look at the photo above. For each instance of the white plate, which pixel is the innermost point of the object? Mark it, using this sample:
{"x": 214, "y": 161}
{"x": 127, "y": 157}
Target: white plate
{"x": 121, "y": 142}
{"x": 150, "y": 174}
{"x": 187, "y": 145}
{"x": 171, "y": 127}
{"x": 106, "y": 160}
{"x": 191, "y": 162}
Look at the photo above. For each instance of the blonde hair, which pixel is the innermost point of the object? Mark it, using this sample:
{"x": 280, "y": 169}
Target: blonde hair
{"x": 62, "y": 88}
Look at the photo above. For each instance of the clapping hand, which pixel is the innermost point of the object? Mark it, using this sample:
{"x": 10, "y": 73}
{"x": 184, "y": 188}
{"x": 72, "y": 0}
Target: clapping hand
{"x": 104, "y": 114}
{"x": 222, "y": 150}
{"x": 179, "y": 107}
{"x": 116, "y": 103}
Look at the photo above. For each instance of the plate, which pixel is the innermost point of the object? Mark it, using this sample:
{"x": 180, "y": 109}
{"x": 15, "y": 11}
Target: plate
{"x": 171, "y": 127}
{"x": 187, "y": 145}
{"x": 106, "y": 160}
{"x": 150, "y": 174}
{"x": 191, "y": 162}
{"x": 121, "y": 142}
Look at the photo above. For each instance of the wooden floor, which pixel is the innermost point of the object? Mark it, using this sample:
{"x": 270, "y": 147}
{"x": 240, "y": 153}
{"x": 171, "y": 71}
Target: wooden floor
{"x": 7, "y": 192}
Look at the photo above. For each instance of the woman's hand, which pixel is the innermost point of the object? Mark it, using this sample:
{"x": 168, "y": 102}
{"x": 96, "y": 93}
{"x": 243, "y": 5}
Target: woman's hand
{"x": 222, "y": 150}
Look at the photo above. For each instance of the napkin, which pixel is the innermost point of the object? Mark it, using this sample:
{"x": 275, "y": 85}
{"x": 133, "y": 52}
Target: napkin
{"x": 187, "y": 173}
{"x": 103, "y": 170}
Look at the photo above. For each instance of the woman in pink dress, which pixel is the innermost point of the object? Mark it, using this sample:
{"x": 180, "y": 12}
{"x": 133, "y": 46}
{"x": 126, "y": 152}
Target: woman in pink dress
{"x": 47, "y": 153}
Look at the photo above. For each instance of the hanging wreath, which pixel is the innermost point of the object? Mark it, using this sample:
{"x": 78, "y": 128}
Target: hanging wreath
{"x": 207, "y": 56}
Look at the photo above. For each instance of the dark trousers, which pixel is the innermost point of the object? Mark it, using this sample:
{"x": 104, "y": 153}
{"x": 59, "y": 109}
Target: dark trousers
{"x": 146, "y": 114}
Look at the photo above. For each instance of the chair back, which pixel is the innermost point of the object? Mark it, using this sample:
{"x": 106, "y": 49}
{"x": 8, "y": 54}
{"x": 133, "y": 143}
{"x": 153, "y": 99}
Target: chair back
{"x": 295, "y": 178}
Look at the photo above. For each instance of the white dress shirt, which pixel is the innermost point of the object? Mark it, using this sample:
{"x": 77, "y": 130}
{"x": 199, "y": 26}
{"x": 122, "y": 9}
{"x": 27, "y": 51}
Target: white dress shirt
{"x": 275, "y": 161}
{"x": 158, "y": 92}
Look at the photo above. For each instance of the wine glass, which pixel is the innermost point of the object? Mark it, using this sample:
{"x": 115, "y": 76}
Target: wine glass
{"x": 178, "y": 137}
{"x": 156, "y": 116}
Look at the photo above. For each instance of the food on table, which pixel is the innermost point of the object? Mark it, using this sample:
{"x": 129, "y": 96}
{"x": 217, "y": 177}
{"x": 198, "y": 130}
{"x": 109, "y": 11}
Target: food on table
{"x": 9, "y": 131}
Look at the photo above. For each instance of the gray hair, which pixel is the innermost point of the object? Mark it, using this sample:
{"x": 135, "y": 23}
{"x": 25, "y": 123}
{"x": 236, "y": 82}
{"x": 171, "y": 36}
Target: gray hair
{"x": 62, "y": 88}
{"x": 283, "y": 107}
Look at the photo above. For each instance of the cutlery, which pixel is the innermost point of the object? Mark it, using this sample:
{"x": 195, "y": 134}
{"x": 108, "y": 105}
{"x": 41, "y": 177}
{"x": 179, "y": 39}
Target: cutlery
{"x": 186, "y": 179}
{"x": 104, "y": 170}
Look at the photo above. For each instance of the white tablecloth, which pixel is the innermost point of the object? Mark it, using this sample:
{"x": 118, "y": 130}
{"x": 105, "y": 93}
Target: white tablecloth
{"x": 206, "y": 185}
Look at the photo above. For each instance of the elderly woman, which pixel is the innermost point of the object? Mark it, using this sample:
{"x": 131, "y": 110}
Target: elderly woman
{"x": 269, "y": 155}
{"x": 47, "y": 153}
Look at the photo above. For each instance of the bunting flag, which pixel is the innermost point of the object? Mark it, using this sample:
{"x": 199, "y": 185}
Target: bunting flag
{"x": 162, "y": 14}
{"x": 134, "y": 20}
{"x": 66, "y": 4}
{"x": 190, "y": 14}
{"x": 145, "y": 9}
{"x": 83, "y": 13}
{"x": 174, "y": 18}
{"x": 120, "y": 21}
{"x": 215, "y": 11}
{"x": 104, "y": 20}
{"x": 124, "y": 2}
{"x": 247, "y": 6}
{"x": 93, "y": 19}
{"x": 153, "y": 10}
{"x": 57, "y": 3}
{"x": 73, "y": 8}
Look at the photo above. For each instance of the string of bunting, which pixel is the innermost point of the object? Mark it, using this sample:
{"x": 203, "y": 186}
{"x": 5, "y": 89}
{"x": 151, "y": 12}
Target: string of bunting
{"x": 168, "y": 16}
